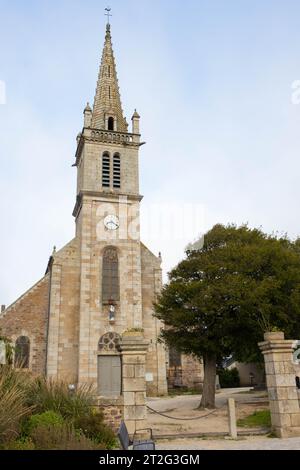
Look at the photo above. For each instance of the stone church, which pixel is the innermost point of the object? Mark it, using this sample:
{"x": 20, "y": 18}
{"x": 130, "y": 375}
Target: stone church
{"x": 104, "y": 281}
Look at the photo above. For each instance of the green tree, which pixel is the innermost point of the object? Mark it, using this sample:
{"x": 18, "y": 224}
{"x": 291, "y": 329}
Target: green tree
{"x": 221, "y": 298}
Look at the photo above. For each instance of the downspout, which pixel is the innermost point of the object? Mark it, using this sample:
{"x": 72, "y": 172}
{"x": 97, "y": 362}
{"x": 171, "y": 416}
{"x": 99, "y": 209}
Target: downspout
{"x": 48, "y": 270}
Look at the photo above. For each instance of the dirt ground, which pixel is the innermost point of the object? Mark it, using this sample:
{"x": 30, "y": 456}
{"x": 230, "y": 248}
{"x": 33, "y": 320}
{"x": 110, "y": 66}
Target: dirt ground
{"x": 185, "y": 406}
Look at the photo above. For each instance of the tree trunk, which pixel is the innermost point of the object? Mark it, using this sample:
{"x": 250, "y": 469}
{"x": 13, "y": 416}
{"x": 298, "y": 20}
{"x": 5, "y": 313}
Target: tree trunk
{"x": 209, "y": 384}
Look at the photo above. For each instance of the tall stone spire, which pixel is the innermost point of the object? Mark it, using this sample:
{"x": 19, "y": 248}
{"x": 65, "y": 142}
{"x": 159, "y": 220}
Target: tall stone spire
{"x": 107, "y": 111}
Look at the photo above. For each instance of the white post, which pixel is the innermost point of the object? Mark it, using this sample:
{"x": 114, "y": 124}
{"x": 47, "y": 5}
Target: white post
{"x": 232, "y": 418}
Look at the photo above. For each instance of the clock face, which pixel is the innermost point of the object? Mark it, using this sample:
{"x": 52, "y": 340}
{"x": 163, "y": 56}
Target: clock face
{"x": 111, "y": 222}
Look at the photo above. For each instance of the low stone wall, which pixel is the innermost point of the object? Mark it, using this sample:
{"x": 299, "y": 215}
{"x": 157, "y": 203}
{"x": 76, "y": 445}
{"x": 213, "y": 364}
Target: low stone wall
{"x": 113, "y": 411}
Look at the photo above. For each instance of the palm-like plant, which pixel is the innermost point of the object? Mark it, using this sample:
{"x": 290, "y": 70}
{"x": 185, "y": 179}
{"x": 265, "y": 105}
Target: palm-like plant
{"x": 13, "y": 406}
{"x": 55, "y": 395}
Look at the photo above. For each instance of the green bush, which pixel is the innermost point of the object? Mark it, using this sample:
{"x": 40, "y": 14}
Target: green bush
{"x": 93, "y": 427}
{"x": 229, "y": 378}
{"x": 48, "y": 418}
{"x": 54, "y": 395}
{"x": 64, "y": 437}
{"x": 23, "y": 443}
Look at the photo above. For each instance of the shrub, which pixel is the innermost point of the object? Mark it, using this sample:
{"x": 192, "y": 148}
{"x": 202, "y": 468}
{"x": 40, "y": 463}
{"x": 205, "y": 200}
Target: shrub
{"x": 13, "y": 407}
{"x": 24, "y": 443}
{"x": 64, "y": 437}
{"x": 55, "y": 395}
{"x": 229, "y": 378}
{"x": 48, "y": 418}
{"x": 93, "y": 427}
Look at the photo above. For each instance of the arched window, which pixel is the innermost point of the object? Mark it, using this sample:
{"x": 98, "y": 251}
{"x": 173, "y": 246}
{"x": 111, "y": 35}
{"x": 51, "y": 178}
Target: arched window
{"x": 110, "y": 123}
{"x": 106, "y": 170}
{"x": 117, "y": 171}
{"x": 22, "y": 351}
{"x": 110, "y": 275}
{"x": 109, "y": 342}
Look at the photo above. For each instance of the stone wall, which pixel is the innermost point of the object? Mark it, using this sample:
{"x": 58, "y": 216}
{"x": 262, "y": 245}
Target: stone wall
{"x": 189, "y": 374}
{"x": 62, "y": 361}
{"x": 113, "y": 411}
{"x": 156, "y": 355}
{"x": 28, "y": 316}
{"x": 192, "y": 372}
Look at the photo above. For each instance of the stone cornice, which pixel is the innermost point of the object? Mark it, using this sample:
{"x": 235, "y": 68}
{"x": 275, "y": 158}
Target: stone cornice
{"x": 278, "y": 346}
{"x": 125, "y": 139}
{"x": 102, "y": 196}
{"x": 133, "y": 345}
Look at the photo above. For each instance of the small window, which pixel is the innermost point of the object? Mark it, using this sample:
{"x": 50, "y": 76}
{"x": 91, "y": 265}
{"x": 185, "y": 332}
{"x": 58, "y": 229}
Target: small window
{"x": 117, "y": 172}
{"x": 106, "y": 170}
{"x": 22, "y": 352}
{"x": 110, "y": 123}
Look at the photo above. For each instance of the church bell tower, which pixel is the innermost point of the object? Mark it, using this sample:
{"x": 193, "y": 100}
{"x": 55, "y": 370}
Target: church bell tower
{"x": 112, "y": 265}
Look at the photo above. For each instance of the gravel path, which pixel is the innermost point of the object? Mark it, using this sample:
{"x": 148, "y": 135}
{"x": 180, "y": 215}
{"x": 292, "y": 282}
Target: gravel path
{"x": 186, "y": 406}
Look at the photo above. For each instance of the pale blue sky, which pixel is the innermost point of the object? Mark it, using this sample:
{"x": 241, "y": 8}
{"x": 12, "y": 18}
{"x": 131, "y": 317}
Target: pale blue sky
{"x": 212, "y": 82}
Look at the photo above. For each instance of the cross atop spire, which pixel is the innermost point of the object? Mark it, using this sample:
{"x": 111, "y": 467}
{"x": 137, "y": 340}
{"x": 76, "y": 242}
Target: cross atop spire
{"x": 108, "y": 10}
{"x": 107, "y": 110}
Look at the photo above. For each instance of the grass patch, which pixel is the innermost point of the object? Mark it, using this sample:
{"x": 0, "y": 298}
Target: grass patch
{"x": 257, "y": 419}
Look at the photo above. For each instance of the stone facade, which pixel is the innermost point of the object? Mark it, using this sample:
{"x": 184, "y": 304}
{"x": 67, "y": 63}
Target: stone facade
{"x": 27, "y": 316}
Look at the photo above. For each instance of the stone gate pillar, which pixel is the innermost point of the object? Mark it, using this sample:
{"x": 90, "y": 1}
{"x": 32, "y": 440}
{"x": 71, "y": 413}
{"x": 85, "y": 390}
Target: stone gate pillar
{"x": 133, "y": 350}
{"x": 280, "y": 376}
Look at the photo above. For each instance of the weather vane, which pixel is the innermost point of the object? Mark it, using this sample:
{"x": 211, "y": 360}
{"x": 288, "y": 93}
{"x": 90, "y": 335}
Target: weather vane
{"x": 108, "y": 10}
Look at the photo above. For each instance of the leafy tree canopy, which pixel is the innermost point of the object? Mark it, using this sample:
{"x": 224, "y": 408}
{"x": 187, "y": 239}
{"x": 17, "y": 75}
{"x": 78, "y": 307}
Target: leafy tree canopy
{"x": 220, "y": 299}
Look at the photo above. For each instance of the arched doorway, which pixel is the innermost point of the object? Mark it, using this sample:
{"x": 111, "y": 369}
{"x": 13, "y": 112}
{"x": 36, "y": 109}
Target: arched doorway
{"x": 109, "y": 365}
